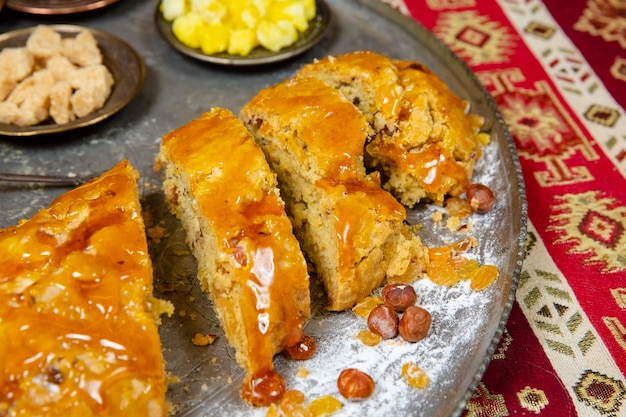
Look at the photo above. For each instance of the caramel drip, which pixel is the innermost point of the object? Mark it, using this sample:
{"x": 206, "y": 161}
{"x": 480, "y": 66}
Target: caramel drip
{"x": 430, "y": 166}
{"x": 73, "y": 319}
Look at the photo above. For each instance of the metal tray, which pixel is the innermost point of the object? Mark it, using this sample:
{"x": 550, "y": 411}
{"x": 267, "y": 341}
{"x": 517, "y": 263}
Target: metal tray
{"x": 466, "y": 325}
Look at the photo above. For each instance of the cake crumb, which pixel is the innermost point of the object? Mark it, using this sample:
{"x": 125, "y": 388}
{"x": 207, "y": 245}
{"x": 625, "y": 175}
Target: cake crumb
{"x": 302, "y": 372}
{"x": 437, "y": 216}
{"x": 200, "y": 339}
{"x": 453, "y": 223}
{"x": 155, "y": 233}
{"x": 182, "y": 313}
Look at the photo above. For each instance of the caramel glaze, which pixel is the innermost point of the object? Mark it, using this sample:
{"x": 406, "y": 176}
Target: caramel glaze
{"x": 375, "y": 69}
{"x": 229, "y": 178}
{"x": 77, "y": 336}
{"x": 438, "y": 141}
{"x": 332, "y": 133}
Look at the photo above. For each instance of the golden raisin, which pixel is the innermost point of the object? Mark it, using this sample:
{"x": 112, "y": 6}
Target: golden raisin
{"x": 483, "y": 277}
{"x": 363, "y": 307}
{"x": 292, "y": 405}
{"x": 324, "y": 406}
{"x": 369, "y": 338}
{"x": 458, "y": 207}
{"x": 414, "y": 375}
{"x": 272, "y": 411}
{"x": 468, "y": 269}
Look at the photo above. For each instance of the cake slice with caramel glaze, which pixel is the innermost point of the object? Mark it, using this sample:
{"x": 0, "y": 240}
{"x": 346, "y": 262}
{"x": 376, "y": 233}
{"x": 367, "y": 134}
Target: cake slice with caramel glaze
{"x": 432, "y": 153}
{"x": 78, "y": 322}
{"x": 351, "y": 229}
{"x": 368, "y": 80}
{"x": 424, "y": 142}
{"x": 219, "y": 184}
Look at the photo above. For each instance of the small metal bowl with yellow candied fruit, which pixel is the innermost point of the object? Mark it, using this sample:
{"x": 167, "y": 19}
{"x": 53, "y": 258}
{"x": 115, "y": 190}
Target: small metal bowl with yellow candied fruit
{"x": 240, "y": 28}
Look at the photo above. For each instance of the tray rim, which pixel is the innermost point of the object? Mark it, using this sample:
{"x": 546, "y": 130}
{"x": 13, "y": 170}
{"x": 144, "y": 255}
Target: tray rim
{"x": 437, "y": 46}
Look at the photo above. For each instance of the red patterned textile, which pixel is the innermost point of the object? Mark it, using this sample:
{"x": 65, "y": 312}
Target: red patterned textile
{"x": 557, "y": 72}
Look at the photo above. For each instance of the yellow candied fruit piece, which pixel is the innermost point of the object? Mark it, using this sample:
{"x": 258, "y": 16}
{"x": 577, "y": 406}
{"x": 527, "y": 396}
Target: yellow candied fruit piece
{"x": 414, "y": 375}
{"x": 215, "y": 39}
{"x": 366, "y": 305}
{"x": 276, "y": 36}
{"x": 483, "y": 277}
{"x": 242, "y": 42}
{"x": 310, "y": 8}
{"x": 369, "y": 338}
{"x": 211, "y": 11}
{"x": 292, "y": 404}
{"x": 189, "y": 29}
{"x": 171, "y": 9}
{"x": 467, "y": 269}
{"x": 323, "y": 406}
{"x": 272, "y": 411}
{"x": 291, "y": 11}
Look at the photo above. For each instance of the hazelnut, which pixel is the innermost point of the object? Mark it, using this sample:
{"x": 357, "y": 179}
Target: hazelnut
{"x": 414, "y": 324}
{"x": 398, "y": 296}
{"x": 303, "y": 350}
{"x": 354, "y": 384}
{"x": 383, "y": 321}
{"x": 480, "y": 197}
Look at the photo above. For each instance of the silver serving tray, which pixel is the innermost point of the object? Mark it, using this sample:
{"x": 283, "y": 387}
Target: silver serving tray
{"x": 466, "y": 326}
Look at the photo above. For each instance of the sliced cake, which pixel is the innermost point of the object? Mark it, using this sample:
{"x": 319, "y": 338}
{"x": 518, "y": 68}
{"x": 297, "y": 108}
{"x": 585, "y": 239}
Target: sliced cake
{"x": 78, "y": 322}
{"x": 219, "y": 184}
{"x": 368, "y": 79}
{"x": 432, "y": 153}
{"x": 351, "y": 229}
{"x": 424, "y": 142}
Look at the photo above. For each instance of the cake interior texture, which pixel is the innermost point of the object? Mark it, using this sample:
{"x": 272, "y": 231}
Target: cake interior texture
{"x": 351, "y": 229}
